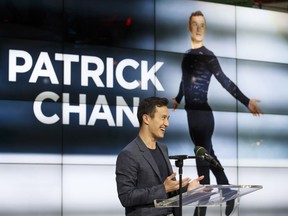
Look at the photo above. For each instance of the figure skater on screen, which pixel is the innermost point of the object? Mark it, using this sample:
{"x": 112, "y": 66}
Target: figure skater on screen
{"x": 198, "y": 65}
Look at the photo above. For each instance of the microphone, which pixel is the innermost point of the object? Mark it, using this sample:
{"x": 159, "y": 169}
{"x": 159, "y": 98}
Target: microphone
{"x": 203, "y": 154}
{"x": 179, "y": 157}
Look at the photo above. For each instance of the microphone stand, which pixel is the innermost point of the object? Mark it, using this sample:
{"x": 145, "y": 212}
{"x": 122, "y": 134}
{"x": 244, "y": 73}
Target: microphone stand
{"x": 179, "y": 163}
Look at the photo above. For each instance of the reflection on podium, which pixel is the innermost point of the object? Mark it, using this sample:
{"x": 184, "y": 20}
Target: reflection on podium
{"x": 209, "y": 196}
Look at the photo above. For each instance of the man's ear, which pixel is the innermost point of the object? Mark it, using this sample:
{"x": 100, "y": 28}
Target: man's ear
{"x": 145, "y": 119}
{"x": 189, "y": 28}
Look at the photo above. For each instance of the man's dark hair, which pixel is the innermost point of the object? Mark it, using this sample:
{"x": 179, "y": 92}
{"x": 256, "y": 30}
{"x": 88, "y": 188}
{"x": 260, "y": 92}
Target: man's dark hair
{"x": 148, "y": 106}
{"x": 196, "y": 13}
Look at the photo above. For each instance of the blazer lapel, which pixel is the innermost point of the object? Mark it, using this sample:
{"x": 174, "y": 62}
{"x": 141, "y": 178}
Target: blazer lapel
{"x": 148, "y": 157}
{"x": 165, "y": 155}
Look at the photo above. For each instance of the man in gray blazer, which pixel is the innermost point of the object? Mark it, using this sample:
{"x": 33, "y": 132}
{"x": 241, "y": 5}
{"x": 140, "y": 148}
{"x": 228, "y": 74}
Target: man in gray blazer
{"x": 143, "y": 170}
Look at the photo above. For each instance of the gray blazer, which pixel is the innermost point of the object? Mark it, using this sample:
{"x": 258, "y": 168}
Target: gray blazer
{"x": 139, "y": 181}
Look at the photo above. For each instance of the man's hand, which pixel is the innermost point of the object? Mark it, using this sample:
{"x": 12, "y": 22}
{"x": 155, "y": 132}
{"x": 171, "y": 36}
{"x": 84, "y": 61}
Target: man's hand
{"x": 254, "y": 108}
{"x": 175, "y": 104}
{"x": 195, "y": 183}
{"x": 171, "y": 184}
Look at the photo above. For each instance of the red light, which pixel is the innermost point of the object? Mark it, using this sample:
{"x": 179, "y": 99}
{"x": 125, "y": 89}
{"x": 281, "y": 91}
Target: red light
{"x": 128, "y": 22}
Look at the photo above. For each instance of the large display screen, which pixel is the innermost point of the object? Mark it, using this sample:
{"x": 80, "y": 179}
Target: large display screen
{"x": 72, "y": 74}
{"x": 81, "y": 89}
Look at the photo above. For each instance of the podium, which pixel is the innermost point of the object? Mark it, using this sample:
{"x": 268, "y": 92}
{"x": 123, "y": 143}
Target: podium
{"x": 209, "y": 196}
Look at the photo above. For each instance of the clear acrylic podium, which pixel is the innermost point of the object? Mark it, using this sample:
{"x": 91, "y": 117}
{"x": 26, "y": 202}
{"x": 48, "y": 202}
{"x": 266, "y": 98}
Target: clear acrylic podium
{"x": 208, "y": 196}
